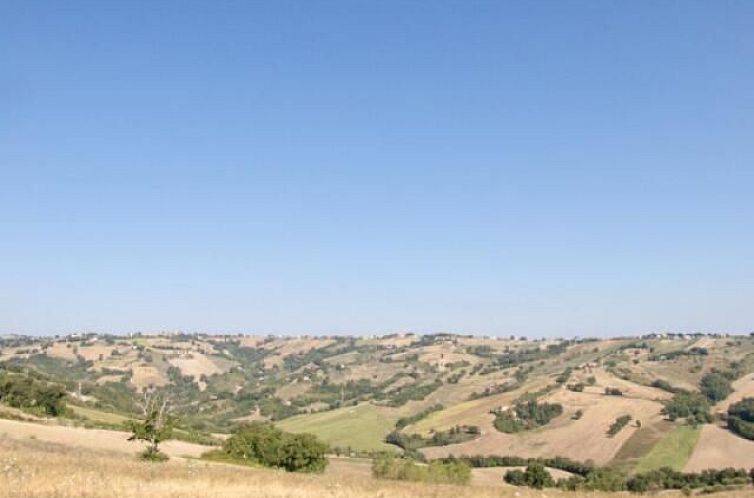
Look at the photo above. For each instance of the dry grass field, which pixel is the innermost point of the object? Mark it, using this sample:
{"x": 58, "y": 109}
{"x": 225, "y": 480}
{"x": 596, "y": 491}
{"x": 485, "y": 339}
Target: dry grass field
{"x": 576, "y": 439}
{"x": 146, "y": 376}
{"x": 88, "y": 439}
{"x": 720, "y": 448}
{"x": 566, "y": 437}
{"x": 37, "y": 469}
{"x": 198, "y": 364}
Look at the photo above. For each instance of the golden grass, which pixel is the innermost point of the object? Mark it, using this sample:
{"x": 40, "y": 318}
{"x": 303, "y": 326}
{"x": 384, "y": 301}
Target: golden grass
{"x": 35, "y": 469}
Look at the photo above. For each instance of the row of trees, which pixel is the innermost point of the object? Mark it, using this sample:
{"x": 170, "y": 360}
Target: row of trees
{"x": 412, "y": 442}
{"x": 412, "y": 419}
{"x": 605, "y": 479}
{"x": 562, "y": 463}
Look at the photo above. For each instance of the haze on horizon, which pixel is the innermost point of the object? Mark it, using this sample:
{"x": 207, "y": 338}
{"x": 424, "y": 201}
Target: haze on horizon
{"x": 541, "y": 169}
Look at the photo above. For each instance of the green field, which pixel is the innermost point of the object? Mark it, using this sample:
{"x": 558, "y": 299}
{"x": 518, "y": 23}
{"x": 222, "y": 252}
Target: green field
{"x": 361, "y": 427}
{"x": 673, "y": 451}
{"x": 97, "y": 415}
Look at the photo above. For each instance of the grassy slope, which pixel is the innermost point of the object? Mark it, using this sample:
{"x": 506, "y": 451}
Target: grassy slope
{"x": 36, "y": 469}
{"x": 362, "y": 427}
{"x": 672, "y": 451}
{"x": 97, "y": 415}
{"x": 640, "y": 444}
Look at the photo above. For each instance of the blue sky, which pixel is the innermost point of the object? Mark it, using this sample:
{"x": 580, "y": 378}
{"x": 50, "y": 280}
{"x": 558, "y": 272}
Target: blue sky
{"x": 547, "y": 168}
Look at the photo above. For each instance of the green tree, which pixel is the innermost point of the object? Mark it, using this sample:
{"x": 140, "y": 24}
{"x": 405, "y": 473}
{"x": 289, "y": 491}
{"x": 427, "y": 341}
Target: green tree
{"x": 741, "y": 418}
{"x": 537, "y": 477}
{"x": 265, "y": 444}
{"x": 691, "y": 406}
{"x": 715, "y": 387}
{"x": 155, "y": 428}
{"x": 302, "y": 453}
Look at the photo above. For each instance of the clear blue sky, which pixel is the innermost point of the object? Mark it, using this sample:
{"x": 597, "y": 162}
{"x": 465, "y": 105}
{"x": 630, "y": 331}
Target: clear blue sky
{"x": 543, "y": 168}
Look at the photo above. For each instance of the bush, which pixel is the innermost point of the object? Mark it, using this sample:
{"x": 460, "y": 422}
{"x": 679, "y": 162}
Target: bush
{"x": 667, "y": 386}
{"x": 302, "y": 453}
{"x": 535, "y": 476}
{"x": 264, "y": 444}
{"x": 452, "y": 471}
{"x": 741, "y": 418}
{"x": 715, "y": 387}
{"x": 619, "y": 424}
{"x": 152, "y": 455}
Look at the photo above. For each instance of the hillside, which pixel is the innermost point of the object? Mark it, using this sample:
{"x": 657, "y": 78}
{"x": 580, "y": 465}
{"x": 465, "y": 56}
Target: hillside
{"x": 436, "y": 396}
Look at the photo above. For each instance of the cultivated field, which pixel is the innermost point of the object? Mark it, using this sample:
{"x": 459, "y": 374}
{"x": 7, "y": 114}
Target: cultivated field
{"x": 576, "y": 439}
{"x": 361, "y": 427}
{"x": 673, "y": 451}
{"x": 719, "y": 448}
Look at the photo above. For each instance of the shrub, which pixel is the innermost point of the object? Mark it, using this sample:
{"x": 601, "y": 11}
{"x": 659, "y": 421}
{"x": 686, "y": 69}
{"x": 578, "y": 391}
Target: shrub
{"x": 452, "y": 471}
{"x": 715, "y": 387}
{"x": 302, "y": 453}
{"x": 619, "y": 424}
{"x": 604, "y": 479}
{"x": 152, "y": 455}
{"x": 741, "y": 418}
{"x": 264, "y": 444}
{"x": 667, "y": 386}
{"x": 535, "y": 476}
{"x": 563, "y": 377}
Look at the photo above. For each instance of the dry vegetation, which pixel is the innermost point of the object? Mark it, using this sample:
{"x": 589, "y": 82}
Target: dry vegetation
{"x": 719, "y": 448}
{"x": 31, "y": 469}
{"x": 285, "y": 379}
